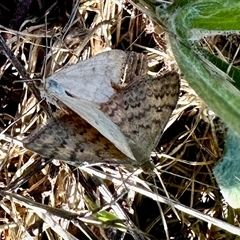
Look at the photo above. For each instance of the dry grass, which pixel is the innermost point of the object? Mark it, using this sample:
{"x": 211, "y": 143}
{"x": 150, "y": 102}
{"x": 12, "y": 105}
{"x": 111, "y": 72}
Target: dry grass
{"x": 180, "y": 200}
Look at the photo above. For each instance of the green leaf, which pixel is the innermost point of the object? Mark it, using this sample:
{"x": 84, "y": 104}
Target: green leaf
{"x": 204, "y": 77}
{"x": 234, "y": 72}
{"x": 197, "y": 19}
{"x": 187, "y": 20}
{"x": 111, "y": 219}
{"x": 227, "y": 172}
{"x": 219, "y": 94}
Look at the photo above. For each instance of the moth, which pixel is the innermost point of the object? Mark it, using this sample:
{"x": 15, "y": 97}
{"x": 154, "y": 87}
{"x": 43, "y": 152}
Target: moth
{"x": 115, "y": 112}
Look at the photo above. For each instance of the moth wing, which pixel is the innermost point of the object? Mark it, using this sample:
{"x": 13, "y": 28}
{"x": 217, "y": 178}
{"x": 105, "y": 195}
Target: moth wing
{"x": 93, "y": 78}
{"x": 70, "y": 138}
{"x": 142, "y": 111}
{"x": 95, "y": 117}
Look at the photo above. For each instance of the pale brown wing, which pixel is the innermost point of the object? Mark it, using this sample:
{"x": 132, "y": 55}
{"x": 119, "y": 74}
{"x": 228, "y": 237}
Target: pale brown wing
{"x": 90, "y": 113}
{"x": 142, "y": 111}
{"x": 93, "y": 78}
{"x": 70, "y": 138}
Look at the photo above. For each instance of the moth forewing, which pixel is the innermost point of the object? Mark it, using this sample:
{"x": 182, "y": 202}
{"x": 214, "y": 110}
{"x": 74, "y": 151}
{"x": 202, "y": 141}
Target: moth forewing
{"x": 94, "y": 78}
{"x": 90, "y": 113}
